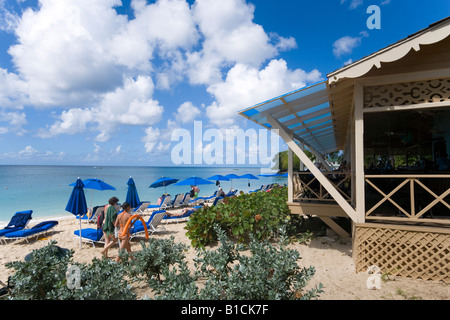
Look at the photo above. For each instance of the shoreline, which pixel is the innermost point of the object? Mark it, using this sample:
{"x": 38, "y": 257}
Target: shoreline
{"x": 331, "y": 256}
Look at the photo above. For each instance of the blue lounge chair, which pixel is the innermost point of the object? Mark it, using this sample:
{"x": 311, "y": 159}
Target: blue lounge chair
{"x": 176, "y": 203}
{"x": 165, "y": 203}
{"x": 93, "y": 218}
{"x": 89, "y": 235}
{"x": 18, "y": 222}
{"x": 186, "y": 200}
{"x": 152, "y": 224}
{"x": 189, "y": 212}
{"x": 140, "y": 209}
{"x": 37, "y": 230}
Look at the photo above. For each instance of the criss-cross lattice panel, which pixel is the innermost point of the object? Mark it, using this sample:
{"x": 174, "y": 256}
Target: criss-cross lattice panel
{"x": 416, "y": 254}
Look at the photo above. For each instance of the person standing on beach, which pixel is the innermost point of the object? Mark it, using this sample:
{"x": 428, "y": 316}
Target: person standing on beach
{"x": 108, "y": 225}
{"x": 124, "y": 235}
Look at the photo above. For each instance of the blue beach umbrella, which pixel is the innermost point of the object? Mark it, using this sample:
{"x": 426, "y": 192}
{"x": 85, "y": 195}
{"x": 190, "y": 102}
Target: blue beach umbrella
{"x": 95, "y": 184}
{"x": 193, "y": 181}
{"x": 132, "y": 195}
{"x": 232, "y": 176}
{"x": 77, "y": 201}
{"x": 249, "y": 177}
{"x": 163, "y": 182}
{"x": 217, "y": 178}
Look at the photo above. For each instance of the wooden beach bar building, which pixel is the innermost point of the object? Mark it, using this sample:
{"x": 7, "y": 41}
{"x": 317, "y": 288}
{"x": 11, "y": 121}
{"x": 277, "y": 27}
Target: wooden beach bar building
{"x": 389, "y": 113}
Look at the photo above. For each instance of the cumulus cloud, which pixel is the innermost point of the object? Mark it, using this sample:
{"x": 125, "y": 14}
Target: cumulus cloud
{"x": 345, "y": 45}
{"x": 230, "y": 37}
{"x": 187, "y": 112}
{"x": 100, "y": 71}
{"x": 30, "y": 152}
{"x": 131, "y": 104}
{"x": 246, "y": 86}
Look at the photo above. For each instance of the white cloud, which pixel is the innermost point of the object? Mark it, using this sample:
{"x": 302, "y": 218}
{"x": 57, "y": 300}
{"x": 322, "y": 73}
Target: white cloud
{"x": 131, "y": 104}
{"x": 230, "y": 37}
{"x": 187, "y": 112}
{"x": 62, "y": 50}
{"x": 353, "y": 3}
{"x": 246, "y": 86}
{"x": 153, "y": 141}
{"x": 31, "y": 153}
{"x": 345, "y": 45}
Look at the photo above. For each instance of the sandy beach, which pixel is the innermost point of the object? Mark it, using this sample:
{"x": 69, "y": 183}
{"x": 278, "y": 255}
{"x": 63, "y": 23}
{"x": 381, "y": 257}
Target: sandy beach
{"x": 331, "y": 256}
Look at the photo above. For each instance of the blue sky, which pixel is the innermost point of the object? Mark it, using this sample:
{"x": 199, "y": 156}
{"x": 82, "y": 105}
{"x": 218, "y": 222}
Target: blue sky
{"x": 107, "y": 82}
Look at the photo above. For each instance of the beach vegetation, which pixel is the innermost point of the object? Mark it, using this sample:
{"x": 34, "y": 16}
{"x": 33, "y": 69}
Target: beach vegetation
{"x": 258, "y": 214}
{"x": 267, "y": 272}
{"x": 44, "y": 277}
{"x": 258, "y": 270}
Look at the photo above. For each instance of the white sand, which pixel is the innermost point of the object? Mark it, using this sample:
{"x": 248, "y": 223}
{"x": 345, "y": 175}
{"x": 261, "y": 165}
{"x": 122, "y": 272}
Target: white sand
{"x": 332, "y": 260}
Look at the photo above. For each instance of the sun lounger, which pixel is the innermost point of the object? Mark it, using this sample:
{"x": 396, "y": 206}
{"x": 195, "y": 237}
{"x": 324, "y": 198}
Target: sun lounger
{"x": 152, "y": 224}
{"x": 176, "y": 203}
{"x": 186, "y": 199}
{"x": 93, "y": 217}
{"x": 262, "y": 186}
{"x": 90, "y": 235}
{"x": 35, "y": 231}
{"x": 165, "y": 203}
{"x": 140, "y": 209}
{"x": 18, "y": 222}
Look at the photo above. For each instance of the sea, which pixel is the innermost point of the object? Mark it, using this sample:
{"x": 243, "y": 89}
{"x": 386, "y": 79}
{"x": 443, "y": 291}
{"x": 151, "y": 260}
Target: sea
{"x": 46, "y": 189}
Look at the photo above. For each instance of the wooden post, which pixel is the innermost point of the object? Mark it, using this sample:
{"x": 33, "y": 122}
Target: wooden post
{"x": 302, "y": 166}
{"x": 283, "y": 132}
{"x": 358, "y": 165}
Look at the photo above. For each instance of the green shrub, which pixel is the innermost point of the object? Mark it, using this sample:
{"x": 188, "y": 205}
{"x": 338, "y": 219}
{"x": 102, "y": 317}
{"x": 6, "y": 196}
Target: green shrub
{"x": 269, "y": 273}
{"x": 44, "y": 276}
{"x": 156, "y": 254}
{"x": 258, "y": 214}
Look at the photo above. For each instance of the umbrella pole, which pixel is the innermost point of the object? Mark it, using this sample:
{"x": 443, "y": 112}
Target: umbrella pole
{"x": 90, "y": 208}
{"x": 80, "y": 232}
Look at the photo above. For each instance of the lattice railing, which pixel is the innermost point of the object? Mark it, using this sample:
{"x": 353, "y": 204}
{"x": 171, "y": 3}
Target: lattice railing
{"x": 411, "y": 196}
{"x": 307, "y": 187}
{"x": 398, "y": 251}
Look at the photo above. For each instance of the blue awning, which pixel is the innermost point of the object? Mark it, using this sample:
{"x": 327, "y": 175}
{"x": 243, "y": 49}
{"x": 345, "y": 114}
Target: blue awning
{"x": 305, "y": 113}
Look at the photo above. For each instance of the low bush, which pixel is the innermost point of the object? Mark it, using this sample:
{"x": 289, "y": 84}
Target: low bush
{"x": 45, "y": 276}
{"x": 258, "y": 214}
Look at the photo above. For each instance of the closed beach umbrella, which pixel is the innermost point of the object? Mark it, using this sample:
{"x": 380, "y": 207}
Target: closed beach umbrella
{"x": 77, "y": 201}
{"x": 96, "y": 184}
{"x": 163, "y": 182}
{"x": 193, "y": 181}
{"x": 132, "y": 195}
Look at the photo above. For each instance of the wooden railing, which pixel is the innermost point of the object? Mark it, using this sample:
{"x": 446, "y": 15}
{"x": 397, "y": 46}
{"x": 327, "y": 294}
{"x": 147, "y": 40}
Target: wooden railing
{"x": 416, "y": 197}
{"x": 307, "y": 187}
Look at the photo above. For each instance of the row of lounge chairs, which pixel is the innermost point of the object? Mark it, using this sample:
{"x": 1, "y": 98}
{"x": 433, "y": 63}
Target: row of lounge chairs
{"x": 155, "y": 223}
{"x": 17, "y": 228}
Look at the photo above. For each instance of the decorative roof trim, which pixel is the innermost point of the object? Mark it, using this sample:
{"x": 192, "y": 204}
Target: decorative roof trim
{"x": 433, "y": 34}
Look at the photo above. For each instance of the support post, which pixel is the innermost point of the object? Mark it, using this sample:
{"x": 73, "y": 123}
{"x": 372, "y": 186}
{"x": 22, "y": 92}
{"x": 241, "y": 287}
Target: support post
{"x": 290, "y": 176}
{"x": 283, "y": 132}
{"x": 359, "y": 152}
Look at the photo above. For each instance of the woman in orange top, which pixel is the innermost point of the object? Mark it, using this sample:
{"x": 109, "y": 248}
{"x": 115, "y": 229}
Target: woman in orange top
{"x": 121, "y": 222}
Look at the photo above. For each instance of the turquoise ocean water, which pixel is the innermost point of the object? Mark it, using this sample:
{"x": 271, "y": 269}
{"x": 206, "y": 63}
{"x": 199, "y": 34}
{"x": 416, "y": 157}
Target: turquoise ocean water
{"x": 46, "y": 190}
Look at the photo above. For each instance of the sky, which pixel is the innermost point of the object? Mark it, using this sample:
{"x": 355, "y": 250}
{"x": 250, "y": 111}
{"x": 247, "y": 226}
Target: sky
{"x": 110, "y": 82}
